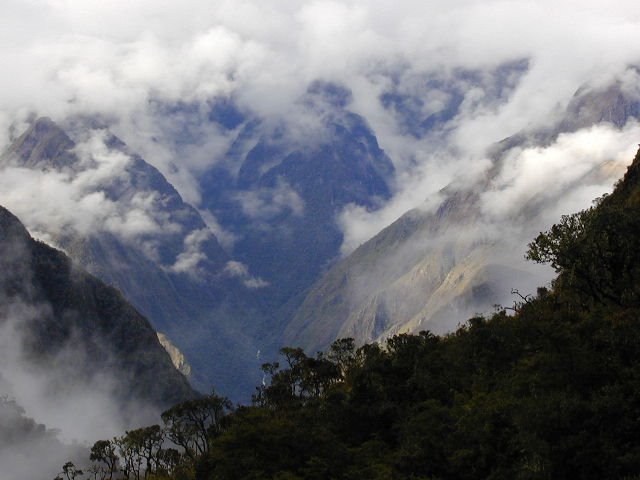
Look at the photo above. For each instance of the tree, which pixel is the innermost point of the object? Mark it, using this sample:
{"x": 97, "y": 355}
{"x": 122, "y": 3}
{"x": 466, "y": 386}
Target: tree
{"x": 342, "y": 354}
{"x": 130, "y": 460}
{"x": 595, "y": 253}
{"x": 193, "y": 424}
{"x": 70, "y": 472}
{"x": 104, "y": 451}
{"x": 146, "y": 443}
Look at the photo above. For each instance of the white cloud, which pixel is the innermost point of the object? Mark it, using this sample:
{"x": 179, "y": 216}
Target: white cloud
{"x": 580, "y": 165}
{"x": 239, "y": 270}
{"x": 190, "y": 258}
{"x": 55, "y": 202}
{"x": 266, "y": 203}
{"x": 37, "y": 388}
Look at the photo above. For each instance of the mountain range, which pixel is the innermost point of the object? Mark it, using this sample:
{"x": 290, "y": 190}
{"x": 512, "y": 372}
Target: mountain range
{"x": 153, "y": 247}
{"x": 279, "y": 198}
{"x": 433, "y": 268}
{"x": 278, "y": 194}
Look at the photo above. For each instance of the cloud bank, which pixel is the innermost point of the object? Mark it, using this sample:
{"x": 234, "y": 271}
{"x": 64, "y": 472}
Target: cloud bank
{"x": 121, "y": 59}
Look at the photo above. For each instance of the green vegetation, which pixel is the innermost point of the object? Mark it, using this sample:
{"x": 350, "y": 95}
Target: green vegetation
{"x": 551, "y": 392}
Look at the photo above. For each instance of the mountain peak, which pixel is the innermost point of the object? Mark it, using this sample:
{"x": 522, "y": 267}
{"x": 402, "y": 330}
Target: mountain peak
{"x": 591, "y": 106}
{"x": 43, "y": 145}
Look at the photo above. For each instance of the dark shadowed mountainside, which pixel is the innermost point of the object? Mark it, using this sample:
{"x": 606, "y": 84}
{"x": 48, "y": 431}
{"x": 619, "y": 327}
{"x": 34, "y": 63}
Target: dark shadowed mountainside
{"x": 74, "y": 309}
{"x": 279, "y": 192}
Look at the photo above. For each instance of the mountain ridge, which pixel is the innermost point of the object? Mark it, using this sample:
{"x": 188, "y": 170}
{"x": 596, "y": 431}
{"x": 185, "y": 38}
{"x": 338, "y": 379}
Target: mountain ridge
{"x": 410, "y": 276}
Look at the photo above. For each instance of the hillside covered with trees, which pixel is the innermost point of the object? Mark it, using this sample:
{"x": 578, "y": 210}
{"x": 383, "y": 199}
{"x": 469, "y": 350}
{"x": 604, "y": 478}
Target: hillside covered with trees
{"x": 548, "y": 388}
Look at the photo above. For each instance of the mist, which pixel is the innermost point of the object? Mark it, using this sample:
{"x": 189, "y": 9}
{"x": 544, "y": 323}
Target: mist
{"x": 76, "y": 410}
{"x": 59, "y": 393}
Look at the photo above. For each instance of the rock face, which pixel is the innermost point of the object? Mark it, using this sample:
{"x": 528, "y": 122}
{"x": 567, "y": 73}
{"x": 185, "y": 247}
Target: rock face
{"x": 432, "y": 270}
{"x": 279, "y": 193}
{"x": 151, "y": 245}
{"x": 59, "y": 308}
{"x": 177, "y": 358}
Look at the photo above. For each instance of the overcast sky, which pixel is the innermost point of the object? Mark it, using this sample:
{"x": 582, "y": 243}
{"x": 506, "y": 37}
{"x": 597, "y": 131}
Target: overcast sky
{"x": 116, "y": 58}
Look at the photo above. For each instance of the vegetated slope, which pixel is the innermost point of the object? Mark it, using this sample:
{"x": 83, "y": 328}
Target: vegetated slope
{"x": 175, "y": 272}
{"x": 72, "y": 325}
{"x": 550, "y": 392}
{"x": 432, "y": 269}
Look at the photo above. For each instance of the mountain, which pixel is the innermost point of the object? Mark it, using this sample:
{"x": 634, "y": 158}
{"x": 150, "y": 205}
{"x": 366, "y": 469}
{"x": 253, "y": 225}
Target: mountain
{"x": 145, "y": 240}
{"x": 277, "y": 191}
{"x": 280, "y": 187}
{"x": 432, "y": 269}
{"x": 74, "y": 328}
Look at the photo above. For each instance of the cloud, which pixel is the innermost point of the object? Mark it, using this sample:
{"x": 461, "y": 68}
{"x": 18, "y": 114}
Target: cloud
{"x": 190, "y": 258}
{"x": 53, "y": 202}
{"x": 239, "y": 270}
{"x": 574, "y": 170}
{"x": 52, "y": 395}
{"x": 113, "y": 58}
{"x": 266, "y": 203}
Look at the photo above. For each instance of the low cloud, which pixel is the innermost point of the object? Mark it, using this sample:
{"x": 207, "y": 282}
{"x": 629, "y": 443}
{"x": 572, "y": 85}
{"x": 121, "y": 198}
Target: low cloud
{"x": 240, "y": 271}
{"x": 571, "y": 172}
{"x": 55, "y": 202}
{"x": 53, "y": 394}
{"x": 266, "y": 203}
{"x": 188, "y": 261}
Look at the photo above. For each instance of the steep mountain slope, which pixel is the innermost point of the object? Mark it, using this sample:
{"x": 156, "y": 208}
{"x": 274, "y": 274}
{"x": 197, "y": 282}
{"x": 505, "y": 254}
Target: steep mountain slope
{"x": 279, "y": 192}
{"x": 74, "y": 328}
{"x": 143, "y": 239}
{"x": 431, "y": 270}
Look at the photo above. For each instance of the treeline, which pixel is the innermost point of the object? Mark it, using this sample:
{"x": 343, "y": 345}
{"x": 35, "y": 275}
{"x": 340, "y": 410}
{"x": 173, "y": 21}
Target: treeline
{"x": 549, "y": 392}
{"x": 159, "y": 452}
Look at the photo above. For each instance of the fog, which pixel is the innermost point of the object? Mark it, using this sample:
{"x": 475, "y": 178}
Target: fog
{"x": 75, "y": 392}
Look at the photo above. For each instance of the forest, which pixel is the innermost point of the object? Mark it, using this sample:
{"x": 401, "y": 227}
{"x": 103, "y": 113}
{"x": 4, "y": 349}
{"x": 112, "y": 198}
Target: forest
{"x": 547, "y": 388}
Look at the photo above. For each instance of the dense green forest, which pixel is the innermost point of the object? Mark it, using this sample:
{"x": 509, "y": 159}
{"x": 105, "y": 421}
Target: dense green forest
{"x": 547, "y": 389}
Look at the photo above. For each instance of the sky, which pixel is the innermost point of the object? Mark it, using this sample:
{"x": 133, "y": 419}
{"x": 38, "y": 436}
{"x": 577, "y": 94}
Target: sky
{"x": 118, "y": 58}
